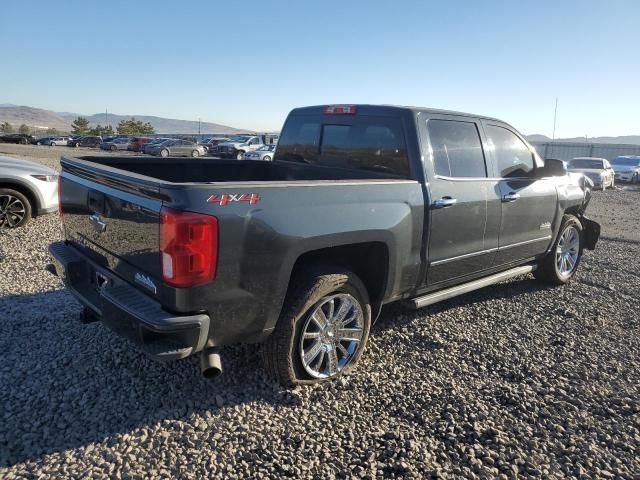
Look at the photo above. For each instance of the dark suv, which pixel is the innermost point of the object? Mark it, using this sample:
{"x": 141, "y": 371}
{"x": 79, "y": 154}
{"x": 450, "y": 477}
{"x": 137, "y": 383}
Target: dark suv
{"x": 86, "y": 141}
{"x": 21, "y": 138}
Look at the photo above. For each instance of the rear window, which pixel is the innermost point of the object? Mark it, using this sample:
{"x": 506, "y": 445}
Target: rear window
{"x": 368, "y": 143}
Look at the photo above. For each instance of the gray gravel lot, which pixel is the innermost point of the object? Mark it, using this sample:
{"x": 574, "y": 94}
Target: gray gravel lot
{"x": 516, "y": 380}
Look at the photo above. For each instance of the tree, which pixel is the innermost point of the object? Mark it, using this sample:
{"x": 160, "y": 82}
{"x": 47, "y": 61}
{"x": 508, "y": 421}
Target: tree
{"x": 6, "y": 128}
{"x": 80, "y": 126}
{"x": 52, "y": 131}
{"x": 133, "y": 127}
{"x": 100, "y": 130}
{"x": 23, "y": 129}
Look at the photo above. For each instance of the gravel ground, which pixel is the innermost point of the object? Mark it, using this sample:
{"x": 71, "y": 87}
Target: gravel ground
{"x": 516, "y": 380}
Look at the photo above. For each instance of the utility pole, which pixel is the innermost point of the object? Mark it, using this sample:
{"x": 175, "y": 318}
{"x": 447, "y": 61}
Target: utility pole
{"x": 555, "y": 115}
{"x": 106, "y": 117}
{"x": 198, "y": 128}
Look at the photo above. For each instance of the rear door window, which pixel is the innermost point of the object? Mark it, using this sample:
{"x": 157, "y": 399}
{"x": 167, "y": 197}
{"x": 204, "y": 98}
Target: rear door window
{"x": 370, "y": 143}
{"x": 456, "y": 148}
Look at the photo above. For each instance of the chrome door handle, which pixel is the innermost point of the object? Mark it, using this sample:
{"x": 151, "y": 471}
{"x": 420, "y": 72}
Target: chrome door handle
{"x": 444, "y": 202}
{"x": 510, "y": 197}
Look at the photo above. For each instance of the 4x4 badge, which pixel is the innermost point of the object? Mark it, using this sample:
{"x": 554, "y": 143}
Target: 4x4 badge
{"x": 227, "y": 198}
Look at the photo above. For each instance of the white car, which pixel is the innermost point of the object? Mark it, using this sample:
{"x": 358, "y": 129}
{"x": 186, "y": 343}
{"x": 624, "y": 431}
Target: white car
{"x": 598, "y": 170}
{"x": 627, "y": 168}
{"x": 265, "y": 153}
{"x": 57, "y": 141}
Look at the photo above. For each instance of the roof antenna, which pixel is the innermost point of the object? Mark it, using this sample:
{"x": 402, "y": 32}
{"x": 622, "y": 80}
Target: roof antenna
{"x": 555, "y": 115}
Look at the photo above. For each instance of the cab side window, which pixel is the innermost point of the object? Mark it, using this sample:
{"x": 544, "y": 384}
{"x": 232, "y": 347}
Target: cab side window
{"x": 456, "y": 147}
{"x": 512, "y": 155}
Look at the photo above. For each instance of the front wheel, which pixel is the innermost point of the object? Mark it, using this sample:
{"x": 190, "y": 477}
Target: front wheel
{"x": 113, "y": 148}
{"x": 164, "y": 153}
{"x": 195, "y": 153}
{"x": 560, "y": 264}
{"x": 15, "y": 209}
{"x": 239, "y": 155}
{"x": 322, "y": 330}
{"x": 266, "y": 158}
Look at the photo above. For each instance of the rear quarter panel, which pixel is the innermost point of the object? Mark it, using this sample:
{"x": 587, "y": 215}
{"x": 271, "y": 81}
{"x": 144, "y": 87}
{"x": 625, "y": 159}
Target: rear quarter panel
{"x": 260, "y": 243}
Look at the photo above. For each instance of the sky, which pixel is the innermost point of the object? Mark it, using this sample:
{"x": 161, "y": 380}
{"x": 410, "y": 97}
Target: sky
{"x": 247, "y": 64}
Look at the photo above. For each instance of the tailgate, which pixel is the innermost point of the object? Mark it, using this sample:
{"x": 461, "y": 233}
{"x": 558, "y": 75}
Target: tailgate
{"x": 113, "y": 220}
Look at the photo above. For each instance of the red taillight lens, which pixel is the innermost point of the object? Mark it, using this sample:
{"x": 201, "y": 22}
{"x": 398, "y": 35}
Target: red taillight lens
{"x": 60, "y": 195}
{"x": 340, "y": 110}
{"x": 188, "y": 246}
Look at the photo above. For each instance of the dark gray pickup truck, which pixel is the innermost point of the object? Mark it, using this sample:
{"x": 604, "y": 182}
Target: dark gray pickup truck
{"x": 362, "y": 205}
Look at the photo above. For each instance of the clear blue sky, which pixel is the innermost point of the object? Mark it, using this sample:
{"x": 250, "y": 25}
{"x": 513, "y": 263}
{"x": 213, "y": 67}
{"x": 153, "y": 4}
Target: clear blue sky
{"x": 246, "y": 64}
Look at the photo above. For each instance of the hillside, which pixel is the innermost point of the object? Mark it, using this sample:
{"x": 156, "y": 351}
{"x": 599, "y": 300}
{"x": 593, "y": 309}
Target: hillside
{"x": 625, "y": 139}
{"x": 38, "y": 118}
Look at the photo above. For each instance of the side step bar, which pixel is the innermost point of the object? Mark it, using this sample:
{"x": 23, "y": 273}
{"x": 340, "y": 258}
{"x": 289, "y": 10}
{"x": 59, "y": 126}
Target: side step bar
{"x": 451, "y": 292}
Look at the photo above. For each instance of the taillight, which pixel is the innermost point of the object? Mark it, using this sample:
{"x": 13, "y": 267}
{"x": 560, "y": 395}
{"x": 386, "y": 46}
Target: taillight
{"x": 188, "y": 246}
{"x": 60, "y": 195}
{"x": 340, "y": 110}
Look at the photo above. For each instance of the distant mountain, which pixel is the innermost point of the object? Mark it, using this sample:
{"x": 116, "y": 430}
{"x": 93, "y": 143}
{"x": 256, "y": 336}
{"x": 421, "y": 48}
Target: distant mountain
{"x": 625, "y": 139}
{"x": 38, "y": 118}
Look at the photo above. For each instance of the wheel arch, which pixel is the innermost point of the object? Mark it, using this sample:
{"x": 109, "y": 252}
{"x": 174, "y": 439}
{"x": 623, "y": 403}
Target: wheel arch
{"x": 24, "y": 189}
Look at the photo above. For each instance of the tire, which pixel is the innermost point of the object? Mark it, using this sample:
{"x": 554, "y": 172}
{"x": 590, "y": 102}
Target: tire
{"x": 23, "y": 141}
{"x": 195, "y": 153}
{"x": 239, "y": 155}
{"x": 548, "y": 269}
{"x": 113, "y": 148}
{"x": 634, "y": 179}
{"x": 266, "y": 158}
{"x": 613, "y": 183}
{"x": 164, "y": 153}
{"x": 15, "y": 208}
{"x": 283, "y": 351}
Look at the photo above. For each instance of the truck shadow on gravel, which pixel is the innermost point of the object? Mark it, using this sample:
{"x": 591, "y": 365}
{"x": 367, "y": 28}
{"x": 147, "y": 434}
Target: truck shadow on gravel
{"x": 68, "y": 385}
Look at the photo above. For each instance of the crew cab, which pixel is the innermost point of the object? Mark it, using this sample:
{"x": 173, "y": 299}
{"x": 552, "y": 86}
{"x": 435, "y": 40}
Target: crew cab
{"x": 238, "y": 145}
{"x": 361, "y": 206}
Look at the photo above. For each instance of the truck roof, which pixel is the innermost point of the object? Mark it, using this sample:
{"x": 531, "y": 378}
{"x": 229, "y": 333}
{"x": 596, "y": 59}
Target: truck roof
{"x": 380, "y": 109}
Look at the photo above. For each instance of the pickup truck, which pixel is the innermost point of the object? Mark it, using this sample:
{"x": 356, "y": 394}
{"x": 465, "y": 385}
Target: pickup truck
{"x": 362, "y": 205}
{"x": 237, "y": 146}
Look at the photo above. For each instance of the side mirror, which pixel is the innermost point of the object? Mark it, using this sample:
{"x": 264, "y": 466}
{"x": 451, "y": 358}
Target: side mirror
{"x": 554, "y": 168}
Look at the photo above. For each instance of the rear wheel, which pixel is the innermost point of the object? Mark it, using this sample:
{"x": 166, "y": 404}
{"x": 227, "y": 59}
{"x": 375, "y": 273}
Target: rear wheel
{"x": 561, "y": 263}
{"x": 322, "y": 331}
{"x": 15, "y": 208}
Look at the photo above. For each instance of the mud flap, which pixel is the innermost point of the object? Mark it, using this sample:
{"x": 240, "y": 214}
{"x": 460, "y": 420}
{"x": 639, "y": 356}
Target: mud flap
{"x": 591, "y": 231}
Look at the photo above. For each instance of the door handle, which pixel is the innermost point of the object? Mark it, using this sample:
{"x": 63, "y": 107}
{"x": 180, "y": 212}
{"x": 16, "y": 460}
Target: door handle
{"x": 444, "y": 202}
{"x": 510, "y": 197}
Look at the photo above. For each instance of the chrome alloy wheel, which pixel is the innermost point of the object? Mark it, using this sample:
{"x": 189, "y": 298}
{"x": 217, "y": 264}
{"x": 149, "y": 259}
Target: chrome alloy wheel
{"x": 12, "y": 211}
{"x": 331, "y": 335}
{"x": 567, "y": 251}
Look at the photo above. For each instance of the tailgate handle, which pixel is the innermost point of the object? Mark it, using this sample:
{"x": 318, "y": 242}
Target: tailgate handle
{"x": 96, "y": 201}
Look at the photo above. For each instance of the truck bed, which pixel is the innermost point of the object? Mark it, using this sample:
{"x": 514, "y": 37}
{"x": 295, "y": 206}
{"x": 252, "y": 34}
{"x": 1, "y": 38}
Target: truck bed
{"x": 211, "y": 170}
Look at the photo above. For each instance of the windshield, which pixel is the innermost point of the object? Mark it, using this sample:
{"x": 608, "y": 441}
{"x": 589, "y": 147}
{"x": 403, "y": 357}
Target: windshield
{"x": 626, "y": 162}
{"x": 239, "y": 138}
{"x": 267, "y": 148}
{"x": 585, "y": 163}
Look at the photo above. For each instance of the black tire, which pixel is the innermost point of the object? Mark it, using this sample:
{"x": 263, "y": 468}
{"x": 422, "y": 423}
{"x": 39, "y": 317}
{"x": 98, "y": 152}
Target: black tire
{"x": 5, "y": 195}
{"x": 634, "y": 179}
{"x": 113, "y": 148}
{"x": 164, "y": 153}
{"x": 281, "y": 352}
{"x": 266, "y": 158}
{"x": 195, "y": 153}
{"x": 239, "y": 155}
{"x": 548, "y": 270}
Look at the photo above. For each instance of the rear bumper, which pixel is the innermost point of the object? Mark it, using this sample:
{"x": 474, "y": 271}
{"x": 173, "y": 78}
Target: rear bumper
{"x": 130, "y": 313}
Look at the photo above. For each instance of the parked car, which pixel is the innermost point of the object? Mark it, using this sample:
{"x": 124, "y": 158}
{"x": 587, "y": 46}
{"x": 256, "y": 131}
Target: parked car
{"x": 42, "y": 140}
{"x": 154, "y": 142}
{"x": 56, "y": 141}
{"x": 136, "y": 144}
{"x": 598, "y": 170}
{"x": 177, "y": 147}
{"x": 20, "y": 138}
{"x": 238, "y": 145}
{"x": 265, "y": 152}
{"x": 85, "y": 141}
{"x": 27, "y": 189}
{"x": 362, "y": 205}
{"x": 115, "y": 144}
{"x": 627, "y": 168}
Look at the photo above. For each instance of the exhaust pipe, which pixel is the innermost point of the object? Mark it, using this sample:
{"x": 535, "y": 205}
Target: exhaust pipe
{"x": 210, "y": 363}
